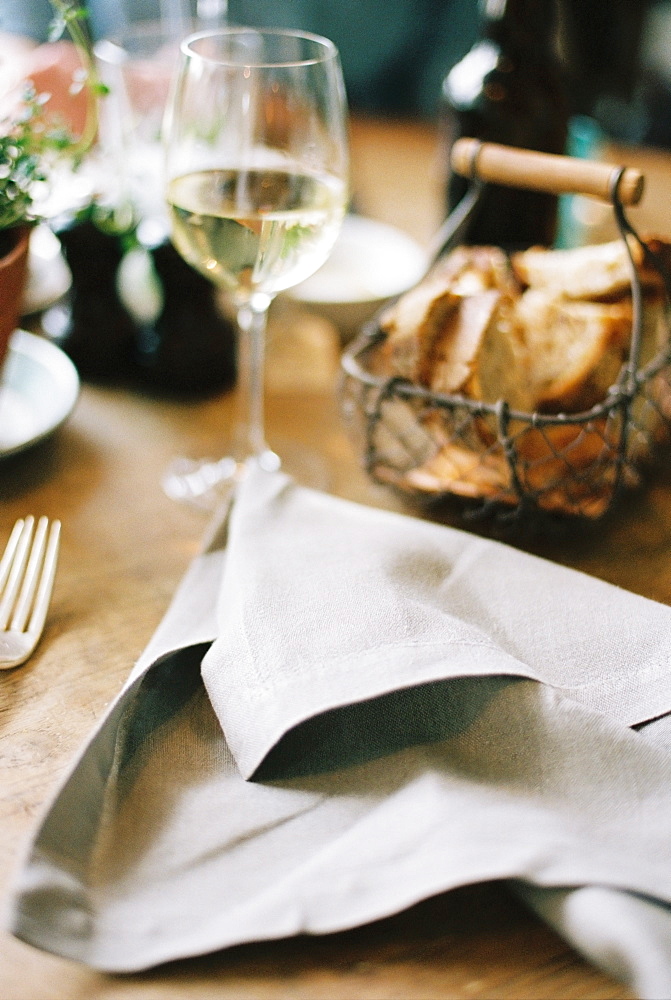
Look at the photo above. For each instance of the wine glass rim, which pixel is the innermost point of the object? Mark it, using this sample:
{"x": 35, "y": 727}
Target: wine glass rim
{"x": 328, "y": 48}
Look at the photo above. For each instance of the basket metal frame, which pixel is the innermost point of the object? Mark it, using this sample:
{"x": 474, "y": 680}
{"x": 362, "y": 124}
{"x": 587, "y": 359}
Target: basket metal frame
{"x": 375, "y": 390}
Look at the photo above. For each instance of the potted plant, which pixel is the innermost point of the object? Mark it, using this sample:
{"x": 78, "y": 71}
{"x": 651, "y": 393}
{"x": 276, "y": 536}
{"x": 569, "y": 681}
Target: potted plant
{"x": 30, "y": 145}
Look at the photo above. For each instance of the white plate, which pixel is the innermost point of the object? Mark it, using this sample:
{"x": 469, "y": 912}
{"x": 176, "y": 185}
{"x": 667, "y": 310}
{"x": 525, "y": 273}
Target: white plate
{"x": 371, "y": 262}
{"x": 39, "y": 386}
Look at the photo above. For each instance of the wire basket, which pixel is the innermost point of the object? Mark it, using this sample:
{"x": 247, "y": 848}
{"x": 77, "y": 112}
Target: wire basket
{"x": 493, "y": 459}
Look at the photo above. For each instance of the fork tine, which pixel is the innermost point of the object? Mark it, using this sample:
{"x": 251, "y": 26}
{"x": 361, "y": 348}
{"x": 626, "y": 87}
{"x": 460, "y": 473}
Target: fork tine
{"x": 16, "y": 569}
{"x": 10, "y": 549}
{"x": 46, "y": 582}
{"x": 31, "y": 577}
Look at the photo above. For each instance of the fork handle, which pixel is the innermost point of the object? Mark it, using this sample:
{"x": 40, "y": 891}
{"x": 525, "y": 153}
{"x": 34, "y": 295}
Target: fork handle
{"x": 526, "y": 168}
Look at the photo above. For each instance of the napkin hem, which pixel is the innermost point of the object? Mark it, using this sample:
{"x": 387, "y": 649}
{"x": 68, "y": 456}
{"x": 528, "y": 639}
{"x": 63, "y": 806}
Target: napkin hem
{"x": 273, "y": 717}
{"x": 255, "y": 720}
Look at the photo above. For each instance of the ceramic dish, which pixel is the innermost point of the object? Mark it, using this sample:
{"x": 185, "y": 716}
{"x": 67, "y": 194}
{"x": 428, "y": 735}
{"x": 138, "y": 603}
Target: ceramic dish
{"x": 39, "y": 387}
{"x": 370, "y": 263}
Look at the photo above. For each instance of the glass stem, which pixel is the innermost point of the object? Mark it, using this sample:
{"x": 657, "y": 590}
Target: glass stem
{"x": 250, "y": 430}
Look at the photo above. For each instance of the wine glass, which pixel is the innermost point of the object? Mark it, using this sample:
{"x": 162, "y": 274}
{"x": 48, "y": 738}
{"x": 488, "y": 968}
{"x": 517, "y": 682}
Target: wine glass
{"x": 256, "y": 160}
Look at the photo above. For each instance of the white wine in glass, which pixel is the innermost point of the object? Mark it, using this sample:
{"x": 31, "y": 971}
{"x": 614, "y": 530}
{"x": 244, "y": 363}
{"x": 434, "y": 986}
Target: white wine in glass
{"x": 257, "y": 187}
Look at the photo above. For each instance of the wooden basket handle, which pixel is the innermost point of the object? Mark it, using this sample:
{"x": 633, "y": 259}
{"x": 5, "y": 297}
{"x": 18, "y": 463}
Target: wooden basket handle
{"x": 525, "y": 168}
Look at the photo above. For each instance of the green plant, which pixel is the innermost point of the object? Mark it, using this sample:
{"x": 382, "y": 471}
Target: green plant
{"x": 29, "y": 146}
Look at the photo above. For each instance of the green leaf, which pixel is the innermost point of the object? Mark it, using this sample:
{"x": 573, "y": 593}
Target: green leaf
{"x": 26, "y": 143}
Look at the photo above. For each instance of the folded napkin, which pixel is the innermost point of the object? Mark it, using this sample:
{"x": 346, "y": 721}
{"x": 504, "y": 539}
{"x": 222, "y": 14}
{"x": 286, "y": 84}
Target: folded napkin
{"x": 345, "y": 711}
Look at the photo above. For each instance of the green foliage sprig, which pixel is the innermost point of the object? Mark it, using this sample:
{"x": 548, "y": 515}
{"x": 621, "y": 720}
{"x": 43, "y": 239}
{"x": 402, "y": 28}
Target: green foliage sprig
{"x": 20, "y": 165}
{"x": 28, "y": 146}
{"x": 71, "y": 18}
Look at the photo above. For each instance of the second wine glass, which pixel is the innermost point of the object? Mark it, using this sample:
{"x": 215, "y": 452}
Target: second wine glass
{"x": 257, "y": 186}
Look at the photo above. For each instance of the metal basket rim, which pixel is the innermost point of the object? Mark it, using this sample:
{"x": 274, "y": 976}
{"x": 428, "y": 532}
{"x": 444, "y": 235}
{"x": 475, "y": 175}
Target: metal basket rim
{"x": 372, "y": 335}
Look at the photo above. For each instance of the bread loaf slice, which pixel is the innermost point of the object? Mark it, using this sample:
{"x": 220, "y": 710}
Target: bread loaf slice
{"x": 577, "y": 348}
{"x": 459, "y": 470}
{"x": 412, "y": 325}
{"x": 423, "y": 321}
{"x": 455, "y": 352}
{"x": 597, "y": 272}
{"x": 473, "y": 269}
{"x": 501, "y": 366}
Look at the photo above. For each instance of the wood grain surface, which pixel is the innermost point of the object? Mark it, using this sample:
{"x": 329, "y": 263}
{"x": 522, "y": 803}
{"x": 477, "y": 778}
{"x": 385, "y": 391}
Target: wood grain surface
{"x": 124, "y": 548}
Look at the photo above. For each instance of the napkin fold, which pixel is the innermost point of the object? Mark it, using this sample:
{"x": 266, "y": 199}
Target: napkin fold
{"x": 345, "y": 711}
{"x": 326, "y": 604}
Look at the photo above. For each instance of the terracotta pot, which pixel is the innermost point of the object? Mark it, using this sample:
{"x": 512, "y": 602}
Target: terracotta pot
{"x": 13, "y": 271}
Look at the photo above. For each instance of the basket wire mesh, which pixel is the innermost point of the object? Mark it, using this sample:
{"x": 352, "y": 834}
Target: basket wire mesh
{"x": 500, "y": 461}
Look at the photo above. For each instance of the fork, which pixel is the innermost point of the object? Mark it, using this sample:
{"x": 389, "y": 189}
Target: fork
{"x": 27, "y": 571}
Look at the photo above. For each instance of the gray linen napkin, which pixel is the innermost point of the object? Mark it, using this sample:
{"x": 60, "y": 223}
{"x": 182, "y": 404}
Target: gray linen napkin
{"x": 328, "y": 603}
{"x": 417, "y": 709}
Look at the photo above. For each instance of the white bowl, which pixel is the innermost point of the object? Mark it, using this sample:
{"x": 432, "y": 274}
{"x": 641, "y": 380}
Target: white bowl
{"x": 370, "y": 263}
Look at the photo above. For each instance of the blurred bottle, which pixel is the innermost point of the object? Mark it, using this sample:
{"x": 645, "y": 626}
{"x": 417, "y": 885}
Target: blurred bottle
{"x": 602, "y": 42}
{"x": 509, "y": 88}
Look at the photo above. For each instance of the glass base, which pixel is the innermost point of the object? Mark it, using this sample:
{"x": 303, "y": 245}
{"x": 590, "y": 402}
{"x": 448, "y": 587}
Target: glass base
{"x": 203, "y": 484}
{"x": 206, "y": 484}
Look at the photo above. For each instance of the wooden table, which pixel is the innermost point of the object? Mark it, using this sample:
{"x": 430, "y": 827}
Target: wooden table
{"x": 125, "y": 547}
